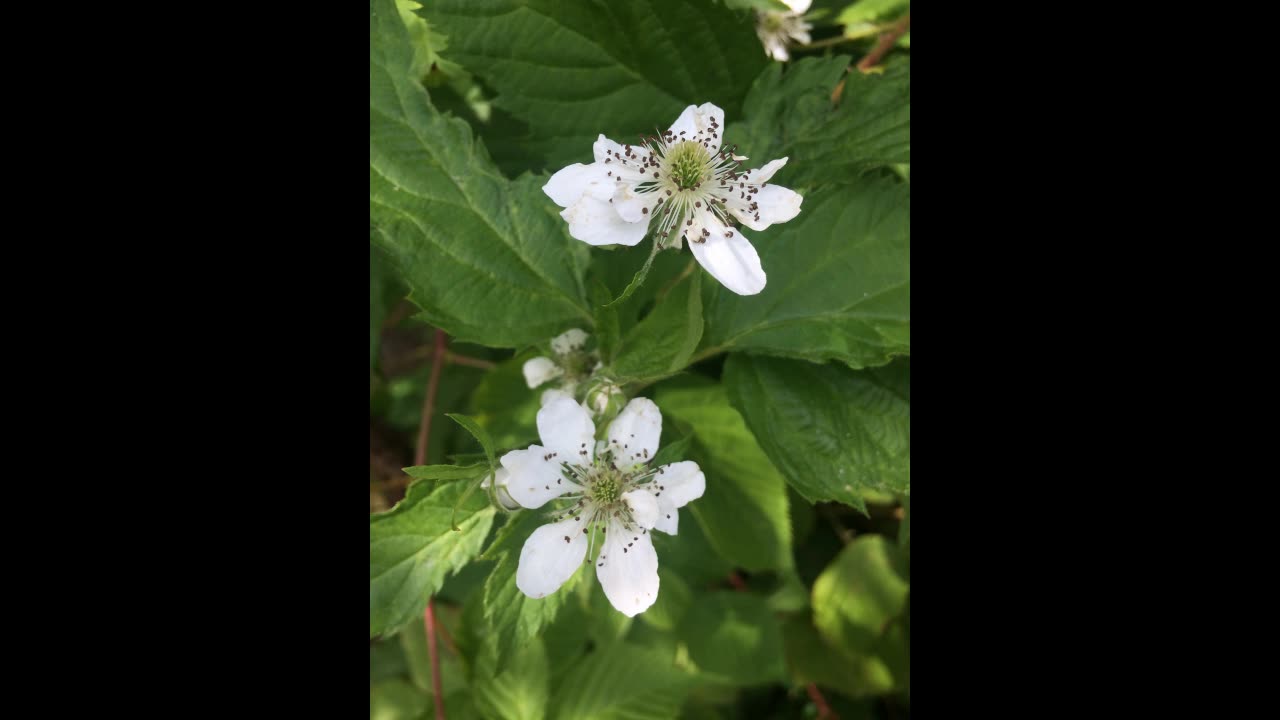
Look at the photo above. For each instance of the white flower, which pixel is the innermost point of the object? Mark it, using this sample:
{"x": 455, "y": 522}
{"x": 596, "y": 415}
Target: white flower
{"x": 776, "y": 29}
{"x": 567, "y": 347}
{"x": 683, "y": 182}
{"x": 614, "y": 493}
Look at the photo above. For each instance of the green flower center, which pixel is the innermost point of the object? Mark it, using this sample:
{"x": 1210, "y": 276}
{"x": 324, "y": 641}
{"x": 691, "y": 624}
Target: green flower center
{"x": 606, "y": 488}
{"x": 688, "y": 165}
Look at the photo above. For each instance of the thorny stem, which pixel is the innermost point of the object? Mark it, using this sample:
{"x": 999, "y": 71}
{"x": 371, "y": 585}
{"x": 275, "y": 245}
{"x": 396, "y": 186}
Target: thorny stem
{"x": 420, "y": 458}
{"x": 454, "y": 358}
{"x": 885, "y": 43}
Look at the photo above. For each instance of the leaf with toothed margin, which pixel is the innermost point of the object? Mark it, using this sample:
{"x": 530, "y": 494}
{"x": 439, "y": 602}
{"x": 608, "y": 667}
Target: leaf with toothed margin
{"x": 638, "y": 279}
{"x": 573, "y": 69}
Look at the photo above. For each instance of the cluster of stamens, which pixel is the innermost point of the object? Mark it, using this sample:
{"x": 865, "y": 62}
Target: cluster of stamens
{"x": 602, "y": 485}
{"x": 687, "y": 175}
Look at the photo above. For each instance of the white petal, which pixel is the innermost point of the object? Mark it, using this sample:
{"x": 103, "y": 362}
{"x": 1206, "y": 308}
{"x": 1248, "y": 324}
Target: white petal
{"x": 550, "y": 557}
{"x": 567, "y": 430}
{"x": 535, "y": 477}
{"x": 618, "y": 161}
{"x": 696, "y": 124}
{"x": 504, "y": 496}
{"x": 727, "y": 255}
{"x": 644, "y": 506}
{"x": 568, "y": 341}
{"x": 681, "y": 483}
{"x": 668, "y": 516}
{"x": 628, "y": 570}
{"x": 539, "y": 370}
{"x": 634, "y": 434}
{"x": 596, "y": 222}
{"x": 764, "y": 174}
{"x": 569, "y": 184}
{"x": 774, "y": 204}
{"x": 549, "y": 395}
{"x": 799, "y": 6}
{"x": 635, "y": 207}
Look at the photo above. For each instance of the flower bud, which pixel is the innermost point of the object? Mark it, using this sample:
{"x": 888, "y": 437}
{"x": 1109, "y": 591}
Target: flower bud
{"x": 605, "y": 400}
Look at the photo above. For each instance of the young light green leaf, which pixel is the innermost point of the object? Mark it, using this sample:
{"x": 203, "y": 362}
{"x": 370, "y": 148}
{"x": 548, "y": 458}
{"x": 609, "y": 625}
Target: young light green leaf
{"x": 573, "y": 69}
{"x": 857, "y": 596}
{"x": 811, "y": 660}
{"x": 744, "y": 510}
{"x": 412, "y": 549}
{"x": 832, "y": 431}
{"x": 662, "y": 343}
{"x": 734, "y": 637}
{"x": 839, "y": 282}
{"x": 487, "y": 259}
{"x": 447, "y": 472}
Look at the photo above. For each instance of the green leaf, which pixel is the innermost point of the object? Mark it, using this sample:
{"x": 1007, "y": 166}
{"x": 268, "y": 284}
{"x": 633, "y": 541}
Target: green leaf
{"x": 791, "y": 114}
{"x": 671, "y": 452}
{"x": 637, "y": 280}
{"x": 412, "y": 549}
{"x": 608, "y": 329}
{"x": 573, "y": 69}
{"x": 858, "y": 595}
{"x": 488, "y": 260}
{"x": 427, "y": 45}
{"x": 811, "y": 660}
{"x": 520, "y": 692}
{"x": 662, "y": 343}
{"x": 413, "y": 643}
{"x": 384, "y": 291}
{"x": 860, "y": 18}
{"x": 512, "y": 618}
{"x": 674, "y": 598}
{"x": 446, "y": 472}
{"x": 479, "y": 433}
{"x": 832, "y": 431}
{"x": 744, "y": 510}
{"x": 734, "y": 637}
{"x": 621, "y": 682}
{"x": 504, "y": 405}
{"x": 396, "y": 699}
{"x": 839, "y": 282}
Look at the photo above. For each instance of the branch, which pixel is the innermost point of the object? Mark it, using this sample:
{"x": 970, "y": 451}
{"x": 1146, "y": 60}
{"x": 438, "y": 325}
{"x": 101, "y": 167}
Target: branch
{"x": 885, "y": 43}
{"x": 420, "y": 458}
{"x": 824, "y": 710}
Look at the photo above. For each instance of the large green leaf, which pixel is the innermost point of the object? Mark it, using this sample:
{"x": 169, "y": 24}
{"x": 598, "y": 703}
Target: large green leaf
{"x": 734, "y": 637}
{"x": 832, "y": 431}
{"x": 518, "y": 693}
{"x": 573, "y": 69}
{"x": 663, "y": 342}
{"x": 487, "y": 259}
{"x": 859, "y": 594}
{"x": 412, "y": 549}
{"x": 791, "y": 114}
{"x": 621, "y": 682}
{"x": 744, "y": 510}
{"x": 839, "y": 282}
{"x": 512, "y": 618}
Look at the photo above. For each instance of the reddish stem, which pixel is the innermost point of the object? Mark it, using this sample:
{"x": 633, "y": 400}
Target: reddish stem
{"x": 824, "y": 710}
{"x": 429, "y": 619}
{"x": 884, "y": 44}
{"x": 737, "y": 582}
{"x": 420, "y": 458}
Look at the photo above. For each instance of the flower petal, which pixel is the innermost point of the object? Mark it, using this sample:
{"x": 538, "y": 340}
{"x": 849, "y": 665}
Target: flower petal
{"x": 628, "y": 570}
{"x": 551, "y": 555}
{"x": 567, "y": 430}
{"x": 596, "y": 222}
{"x": 568, "y": 341}
{"x": 681, "y": 483}
{"x": 616, "y": 157}
{"x": 636, "y": 207}
{"x": 762, "y": 175}
{"x": 696, "y": 123}
{"x": 571, "y": 183}
{"x": 634, "y": 434}
{"x": 535, "y": 476}
{"x": 668, "y": 516}
{"x": 644, "y": 506}
{"x": 539, "y": 370}
{"x": 726, "y": 254}
{"x": 798, "y": 6}
{"x": 552, "y": 394}
{"x": 773, "y": 204}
